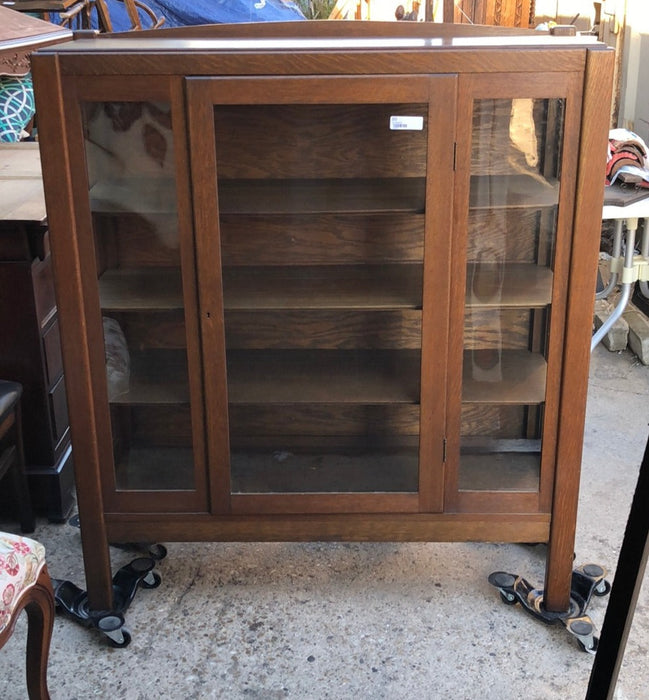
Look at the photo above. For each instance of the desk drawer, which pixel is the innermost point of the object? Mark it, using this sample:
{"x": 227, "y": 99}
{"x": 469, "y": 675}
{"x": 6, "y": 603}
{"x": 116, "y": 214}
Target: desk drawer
{"x": 52, "y": 353}
{"x": 43, "y": 281}
{"x": 59, "y": 409}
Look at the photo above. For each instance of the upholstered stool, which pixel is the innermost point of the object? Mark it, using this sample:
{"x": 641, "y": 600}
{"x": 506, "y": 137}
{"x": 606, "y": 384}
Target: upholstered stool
{"x": 12, "y": 456}
{"x": 25, "y": 585}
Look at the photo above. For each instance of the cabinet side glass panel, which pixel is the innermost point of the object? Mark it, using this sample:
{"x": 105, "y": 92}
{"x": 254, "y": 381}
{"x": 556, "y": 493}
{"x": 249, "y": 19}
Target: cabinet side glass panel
{"x": 130, "y": 161}
{"x": 514, "y": 194}
{"x": 321, "y": 216}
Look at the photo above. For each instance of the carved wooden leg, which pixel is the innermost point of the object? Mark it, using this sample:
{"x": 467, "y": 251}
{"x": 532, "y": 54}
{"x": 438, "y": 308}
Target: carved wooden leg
{"x": 40, "y": 615}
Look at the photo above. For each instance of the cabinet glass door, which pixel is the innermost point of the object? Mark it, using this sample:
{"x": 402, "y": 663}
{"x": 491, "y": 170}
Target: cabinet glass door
{"x": 129, "y": 151}
{"x": 515, "y": 276}
{"x": 322, "y": 221}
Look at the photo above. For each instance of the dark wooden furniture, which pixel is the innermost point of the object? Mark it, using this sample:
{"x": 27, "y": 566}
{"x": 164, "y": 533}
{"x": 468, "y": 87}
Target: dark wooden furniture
{"x": 12, "y": 455}
{"x": 352, "y": 279}
{"x": 30, "y": 347}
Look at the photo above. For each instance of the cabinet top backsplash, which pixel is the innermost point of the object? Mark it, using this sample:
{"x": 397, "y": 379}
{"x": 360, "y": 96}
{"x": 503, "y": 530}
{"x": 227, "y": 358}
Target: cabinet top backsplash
{"x": 322, "y": 48}
{"x": 155, "y": 43}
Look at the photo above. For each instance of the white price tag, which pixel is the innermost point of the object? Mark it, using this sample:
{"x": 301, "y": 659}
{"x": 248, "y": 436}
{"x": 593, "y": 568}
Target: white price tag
{"x": 399, "y": 123}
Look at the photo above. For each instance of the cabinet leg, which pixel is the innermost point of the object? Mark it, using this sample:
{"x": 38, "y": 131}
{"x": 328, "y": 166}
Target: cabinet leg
{"x": 558, "y": 573}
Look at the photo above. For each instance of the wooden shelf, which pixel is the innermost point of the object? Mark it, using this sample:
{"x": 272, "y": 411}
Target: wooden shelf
{"x": 470, "y": 444}
{"x": 494, "y": 285}
{"x": 353, "y": 195}
{"x": 323, "y": 287}
{"x": 256, "y": 288}
{"x": 500, "y": 471}
{"x": 155, "y": 468}
{"x": 323, "y": 376}
{"x": 507, "y": 377}
{"x": 507, "y": 191}
{"x": 141, "y": 289}
{"x": 140, "y": 195}
{"x": 288, "y": 472}
{"x": 142, "y": 391}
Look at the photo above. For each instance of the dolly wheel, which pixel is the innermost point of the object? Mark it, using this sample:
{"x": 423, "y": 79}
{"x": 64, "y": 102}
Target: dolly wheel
{"x": 120, "y": 644}
{"x": 603, "y": 589}
{"x": 151, "y": 580}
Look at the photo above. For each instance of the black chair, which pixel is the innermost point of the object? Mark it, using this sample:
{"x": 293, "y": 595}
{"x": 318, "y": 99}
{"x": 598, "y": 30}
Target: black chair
{"x": 12, "y": 456}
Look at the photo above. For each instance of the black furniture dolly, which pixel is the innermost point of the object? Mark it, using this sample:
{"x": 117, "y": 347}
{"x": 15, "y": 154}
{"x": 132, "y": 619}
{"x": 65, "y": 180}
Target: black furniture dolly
{"x": 138, "y": 573}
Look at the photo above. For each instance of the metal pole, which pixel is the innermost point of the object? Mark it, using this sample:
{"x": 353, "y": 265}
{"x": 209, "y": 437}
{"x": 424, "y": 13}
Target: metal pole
{"x": 624, "y": 593}
{"x": 617, "y": 253}
{"x": 644, "y": 251}
{"x": 625, "y": 286}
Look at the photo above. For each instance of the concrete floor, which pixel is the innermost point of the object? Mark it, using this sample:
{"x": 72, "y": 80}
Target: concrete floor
{"x": 361, "y": 620}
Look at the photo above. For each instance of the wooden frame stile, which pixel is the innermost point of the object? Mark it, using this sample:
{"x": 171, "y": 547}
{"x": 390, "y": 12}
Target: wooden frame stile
{"x": 184, "y": 193}
{"x": 436, "y": 294}
{"x": 210, "y": 305}
{"x": 458, "y": 248}
{"x": 595, "y": 123}
{"x": 560, "y": 290}
{"x": 67, "y": 254}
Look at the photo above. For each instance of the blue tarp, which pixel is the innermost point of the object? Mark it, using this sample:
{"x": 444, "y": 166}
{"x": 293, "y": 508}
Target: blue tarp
{"x": 182, "y": 13}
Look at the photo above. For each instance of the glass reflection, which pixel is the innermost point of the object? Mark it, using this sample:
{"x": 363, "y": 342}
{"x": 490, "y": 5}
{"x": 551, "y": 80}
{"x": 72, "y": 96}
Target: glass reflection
{"x": 514, "y": 191}
{"x": 130, "y": 165}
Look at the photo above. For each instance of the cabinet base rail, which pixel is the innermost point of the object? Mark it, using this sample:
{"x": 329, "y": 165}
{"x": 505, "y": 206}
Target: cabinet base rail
{"x": 587, "y": 580}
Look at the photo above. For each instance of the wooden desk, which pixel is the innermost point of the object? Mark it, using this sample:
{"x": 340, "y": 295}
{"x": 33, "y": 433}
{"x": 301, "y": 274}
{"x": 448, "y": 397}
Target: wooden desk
{"x": 39, "y": 5}
{"x": 21, "y": 34}
{"x": 21, "y": 185}
{"x": 30, "y": 350}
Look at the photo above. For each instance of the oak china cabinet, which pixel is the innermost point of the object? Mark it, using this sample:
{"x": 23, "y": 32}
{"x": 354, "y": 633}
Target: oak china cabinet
{"x": 325, "y": 283}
